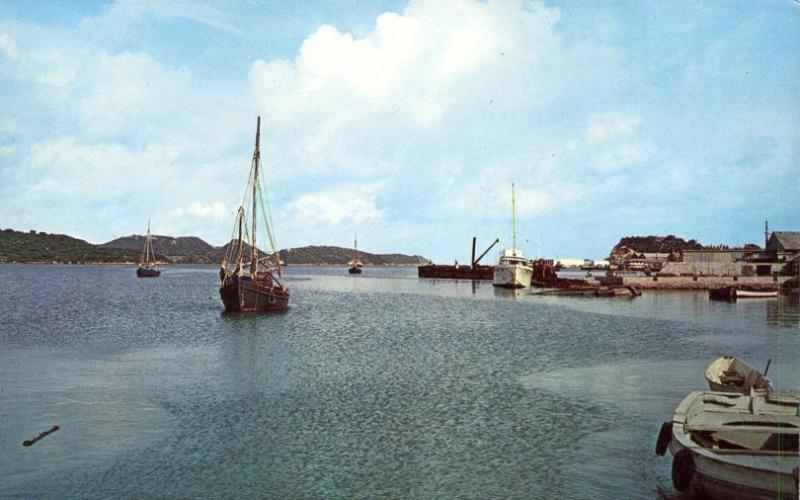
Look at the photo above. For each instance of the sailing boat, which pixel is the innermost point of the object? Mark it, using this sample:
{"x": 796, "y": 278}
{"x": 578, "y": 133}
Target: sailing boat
{"x": 250, "y": 282}
{"x": 355, "y": 263}
{"x": 512, "y": 270}
{"x": 147, "y": 262}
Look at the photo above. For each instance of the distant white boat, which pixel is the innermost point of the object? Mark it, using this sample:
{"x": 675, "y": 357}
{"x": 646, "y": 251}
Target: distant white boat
{"x": 512, "y": 269}
{"x": 732, "y": 293}
{"x": 727, "y": 445}
{"x": 753, "y": 294}
{"x": 730, "y": 374}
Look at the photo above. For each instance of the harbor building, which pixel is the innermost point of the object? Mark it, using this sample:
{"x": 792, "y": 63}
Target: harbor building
{"x": 712, "y": 267}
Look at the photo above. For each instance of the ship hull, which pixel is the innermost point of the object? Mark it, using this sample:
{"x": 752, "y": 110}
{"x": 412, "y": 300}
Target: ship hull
{"x": 477, "y": 272}
{"x": 354, "y": 270}
{"x": 144, "y": 272}
{"x": 512, "y": 276}
{"x": 242, "y": 296}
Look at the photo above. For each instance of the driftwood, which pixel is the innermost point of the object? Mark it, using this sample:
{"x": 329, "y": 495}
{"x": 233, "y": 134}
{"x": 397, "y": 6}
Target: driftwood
{"x": 29, "y": 442}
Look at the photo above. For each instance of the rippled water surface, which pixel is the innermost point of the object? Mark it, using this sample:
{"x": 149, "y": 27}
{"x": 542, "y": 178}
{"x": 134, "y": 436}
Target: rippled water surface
{"x": 380, "y": 385}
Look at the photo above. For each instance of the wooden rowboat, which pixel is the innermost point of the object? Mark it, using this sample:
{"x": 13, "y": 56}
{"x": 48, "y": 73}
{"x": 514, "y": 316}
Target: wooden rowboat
{"x": 728, "y": 445}
{"x": 755, "y": 294}
{"x": 730, "y": 374}
{"x": 732, "y": 293}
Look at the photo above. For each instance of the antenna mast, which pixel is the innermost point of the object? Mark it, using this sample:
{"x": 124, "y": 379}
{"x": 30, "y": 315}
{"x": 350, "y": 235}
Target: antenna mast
{"x": 513, "y": 219}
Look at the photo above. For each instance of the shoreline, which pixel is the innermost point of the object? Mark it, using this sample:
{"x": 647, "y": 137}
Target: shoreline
{"x": 170, "y": 264}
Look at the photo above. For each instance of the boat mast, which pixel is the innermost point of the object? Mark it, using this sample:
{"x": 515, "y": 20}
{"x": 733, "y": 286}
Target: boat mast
{"x": 256, "y": 160}
{"x": 513, "y": 219}
{"x": 147, "y": 249}
{"x": 240, "y": 250}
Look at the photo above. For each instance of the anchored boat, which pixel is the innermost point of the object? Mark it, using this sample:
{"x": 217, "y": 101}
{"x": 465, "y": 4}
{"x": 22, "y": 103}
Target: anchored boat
{"x": 252, "y": 281}
{"x": 512, "y": 269}
{"x": 475, "y": 271}
{"x": 728, "y": 445}
{"x": 730, "y": 374}
{"x": 355, "y": 264}
{"x": 732, "y": 293}
{"x": 148, "y": 268}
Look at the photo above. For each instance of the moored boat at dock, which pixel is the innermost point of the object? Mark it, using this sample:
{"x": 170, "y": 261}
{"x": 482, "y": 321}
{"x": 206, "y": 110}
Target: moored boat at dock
{"x": 512, "y": 269}
{"x": 728, "y": 445}
{"x": 732, "y": 293}
{"x": 475, "y": 271}
{"x": 254, "y": 284}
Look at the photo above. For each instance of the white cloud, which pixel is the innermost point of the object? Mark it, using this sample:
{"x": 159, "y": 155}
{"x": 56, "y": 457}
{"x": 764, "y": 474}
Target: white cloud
{"x": 96, "y": 171}
{"x": 607, "y": 126}
{"x": 346, "y": 102}
{"x": 340, "y": 204}
{"x": 130, "y": 88}
{"x": 7, "y": 47}
{"x": 125, "y": 14}
{"x": 205, "y": 210}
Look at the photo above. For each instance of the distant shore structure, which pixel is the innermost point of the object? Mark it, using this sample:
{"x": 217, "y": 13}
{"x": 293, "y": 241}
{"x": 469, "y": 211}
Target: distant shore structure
{"x": 711, "y": 267}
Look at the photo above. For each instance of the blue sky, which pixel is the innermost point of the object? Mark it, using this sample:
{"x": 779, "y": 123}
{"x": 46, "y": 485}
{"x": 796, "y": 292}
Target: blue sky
{"x": 404, "y": 121}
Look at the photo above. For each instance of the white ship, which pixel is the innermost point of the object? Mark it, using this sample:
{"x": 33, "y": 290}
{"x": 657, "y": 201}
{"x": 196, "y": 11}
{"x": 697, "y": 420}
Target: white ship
{"x": 512, "y": 269}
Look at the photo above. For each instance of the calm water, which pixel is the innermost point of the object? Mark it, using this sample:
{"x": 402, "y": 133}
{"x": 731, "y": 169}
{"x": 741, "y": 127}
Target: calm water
{"x": 381, "y": 385}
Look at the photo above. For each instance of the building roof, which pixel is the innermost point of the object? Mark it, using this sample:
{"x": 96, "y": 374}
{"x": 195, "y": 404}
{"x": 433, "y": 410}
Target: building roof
{"x": 721, "y": 250}
{"x": 788, "y": 240}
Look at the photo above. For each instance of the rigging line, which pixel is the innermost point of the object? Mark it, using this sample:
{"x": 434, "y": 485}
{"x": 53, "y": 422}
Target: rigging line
{"x": 268, "y": 220}
{"x": 273, "y": 243}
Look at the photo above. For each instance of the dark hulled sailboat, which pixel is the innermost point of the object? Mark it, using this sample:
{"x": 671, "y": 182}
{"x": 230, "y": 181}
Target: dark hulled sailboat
{"x": 355, "y": 263}
{"x": 148, "y": 268}
{"x": 252, "y": 282}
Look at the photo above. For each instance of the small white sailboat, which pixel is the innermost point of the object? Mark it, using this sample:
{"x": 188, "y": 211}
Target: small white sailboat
{"x": 727, "y": 445}
{"x": 730, "y": 374}
{"x": 512, "y": 269}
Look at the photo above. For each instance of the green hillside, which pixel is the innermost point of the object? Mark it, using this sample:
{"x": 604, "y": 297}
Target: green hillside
{"x": 18, "y": 246}
{"x": 32, "y": 246}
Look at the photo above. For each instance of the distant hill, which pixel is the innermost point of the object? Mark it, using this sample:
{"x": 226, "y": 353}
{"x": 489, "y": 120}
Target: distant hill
{"x": 18, "y": 246}
{"x": 180, "y": 249}
{"x": 338, "y": 255}
{"x": 656, "y": 244}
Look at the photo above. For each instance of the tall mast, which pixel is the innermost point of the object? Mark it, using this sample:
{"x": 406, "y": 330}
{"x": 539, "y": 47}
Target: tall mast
{"x": 147, "y": 249}
{"x": 513, "y": 219}
{"x": 256, "y": 160}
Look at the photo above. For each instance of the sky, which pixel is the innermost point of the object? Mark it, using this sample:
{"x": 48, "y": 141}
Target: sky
{"x": 406, "y": 122}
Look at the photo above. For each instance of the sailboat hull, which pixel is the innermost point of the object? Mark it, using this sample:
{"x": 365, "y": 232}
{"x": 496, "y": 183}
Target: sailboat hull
{"x": 242, "y": 295}
{"x": 144, "y": 272}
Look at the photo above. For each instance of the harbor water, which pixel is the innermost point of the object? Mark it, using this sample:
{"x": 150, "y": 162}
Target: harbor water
{"x": 379, "y": 385}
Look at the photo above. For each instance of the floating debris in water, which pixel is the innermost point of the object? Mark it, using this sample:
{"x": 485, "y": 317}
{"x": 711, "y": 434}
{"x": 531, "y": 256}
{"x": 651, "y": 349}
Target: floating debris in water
{"x": 29, "y": 442}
